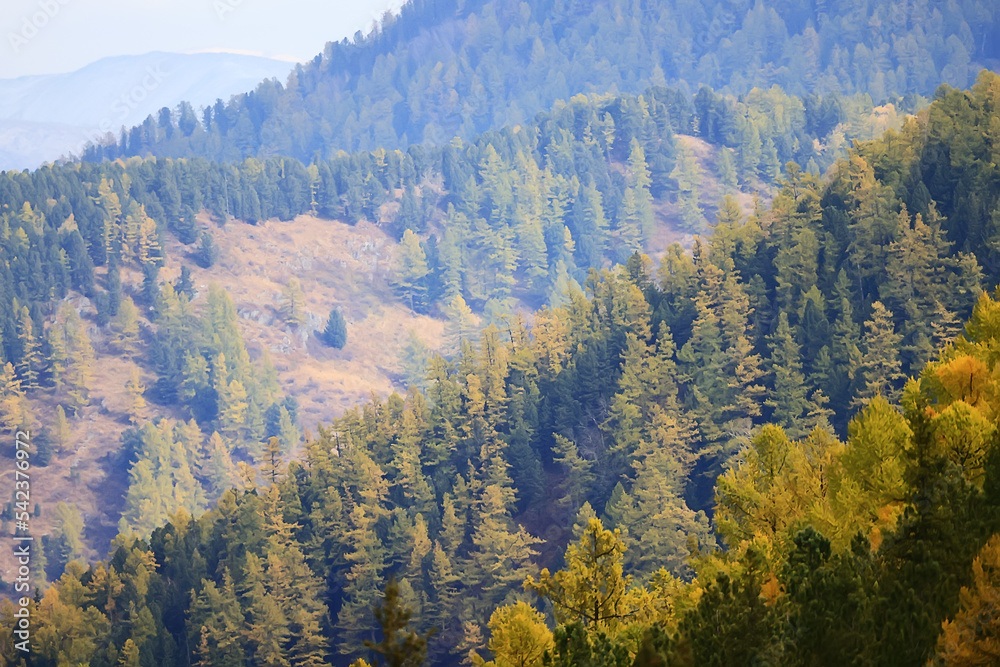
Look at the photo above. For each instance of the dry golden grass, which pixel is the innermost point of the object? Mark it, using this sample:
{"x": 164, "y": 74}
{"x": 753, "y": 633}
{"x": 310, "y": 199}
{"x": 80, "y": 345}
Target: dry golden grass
{"x": 338, "y": 265}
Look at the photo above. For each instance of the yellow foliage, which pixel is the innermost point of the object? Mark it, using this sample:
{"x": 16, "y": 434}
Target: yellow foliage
{"x": 965, "y": 435}
{"x": 867, "y": 486}
{"x": 967, "y": 379}
{"x": 973, "y": 637}
{"x": 769, "y": 492}
{"x": 519, "y": 636}
{"x": 592, "y": 588}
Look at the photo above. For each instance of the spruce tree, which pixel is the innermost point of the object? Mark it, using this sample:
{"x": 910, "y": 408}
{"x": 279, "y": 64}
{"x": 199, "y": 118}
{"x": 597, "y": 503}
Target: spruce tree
{"x": 335, "y": 333}
{"x": 880, "y": 371}
{"x": 789, "y": 395}
{"x": 207, "y": 252}
{"x": 400, "y": 646}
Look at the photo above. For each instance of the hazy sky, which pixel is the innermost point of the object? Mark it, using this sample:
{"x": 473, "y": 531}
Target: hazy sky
{"x": 52, "y": 36}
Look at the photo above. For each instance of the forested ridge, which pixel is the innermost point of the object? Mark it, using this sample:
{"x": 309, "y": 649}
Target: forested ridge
{"x": 724, "y": 443}
{"x": 446, "y": 68}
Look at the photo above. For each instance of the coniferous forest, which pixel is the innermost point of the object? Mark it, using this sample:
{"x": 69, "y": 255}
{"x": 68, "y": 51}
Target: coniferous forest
{"x": 718, "y": 383}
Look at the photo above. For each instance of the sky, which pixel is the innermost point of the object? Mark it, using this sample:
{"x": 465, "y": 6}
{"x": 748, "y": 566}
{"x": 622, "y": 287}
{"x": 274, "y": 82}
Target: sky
{"x": 56, "y": 36}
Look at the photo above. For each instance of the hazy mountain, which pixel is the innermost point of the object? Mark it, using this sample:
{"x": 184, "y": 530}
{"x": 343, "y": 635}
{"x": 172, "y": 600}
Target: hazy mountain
{"x": 45, "y": 117}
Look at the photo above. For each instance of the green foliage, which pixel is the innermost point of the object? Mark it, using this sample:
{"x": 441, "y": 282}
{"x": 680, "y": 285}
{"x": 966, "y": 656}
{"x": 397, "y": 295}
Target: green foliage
{"x": 633, "y": 394}
{"x": 335, "y": 332}
{"x": 400, "y": 646}
{"x": 207, "y": 252}
{"x": 367, "y": 93}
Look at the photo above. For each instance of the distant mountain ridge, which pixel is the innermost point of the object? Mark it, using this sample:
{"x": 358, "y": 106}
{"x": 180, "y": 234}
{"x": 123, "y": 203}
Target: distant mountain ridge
{"x": 45, "y": 117}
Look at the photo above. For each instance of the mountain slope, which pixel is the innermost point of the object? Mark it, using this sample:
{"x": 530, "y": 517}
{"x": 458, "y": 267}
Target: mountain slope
{"x": 445, "y": 68}
{"x": 724, "y": 368}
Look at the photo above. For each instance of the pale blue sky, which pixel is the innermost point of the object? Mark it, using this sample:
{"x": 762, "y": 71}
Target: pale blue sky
{"x": 53, "y": 36}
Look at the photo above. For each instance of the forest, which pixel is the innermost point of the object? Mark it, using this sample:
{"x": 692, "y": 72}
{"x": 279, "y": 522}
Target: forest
{"x": 717, "y": 385}
{"x": 776, "y": 447}
{"x": 446, "y": 68}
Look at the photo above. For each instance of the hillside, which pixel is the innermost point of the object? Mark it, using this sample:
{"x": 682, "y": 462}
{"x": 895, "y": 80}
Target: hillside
{"x": 338, "y": 266}
{"x": 341, "y": 266}
{"x": 776, "y": 447}
{"x": 558, "y": 333}
{"x": 444, "y": 68}
{"x": 349, "y": 267}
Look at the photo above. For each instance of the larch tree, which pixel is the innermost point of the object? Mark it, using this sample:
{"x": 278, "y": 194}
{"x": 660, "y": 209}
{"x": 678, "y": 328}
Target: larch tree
{"x": 30, "y": 355}
{"x": 126, "y": 327}
{"x": 972, "y": 637}
{"x": 461, "y": 325}
{"x": 688, "y": 174}
{"x": 592, "y": 588}
{"x": 519, "y": 637}
{"x": 293, "y": 304}
{"x": 80, "y": 367}
{"x": 412, "y": 270}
